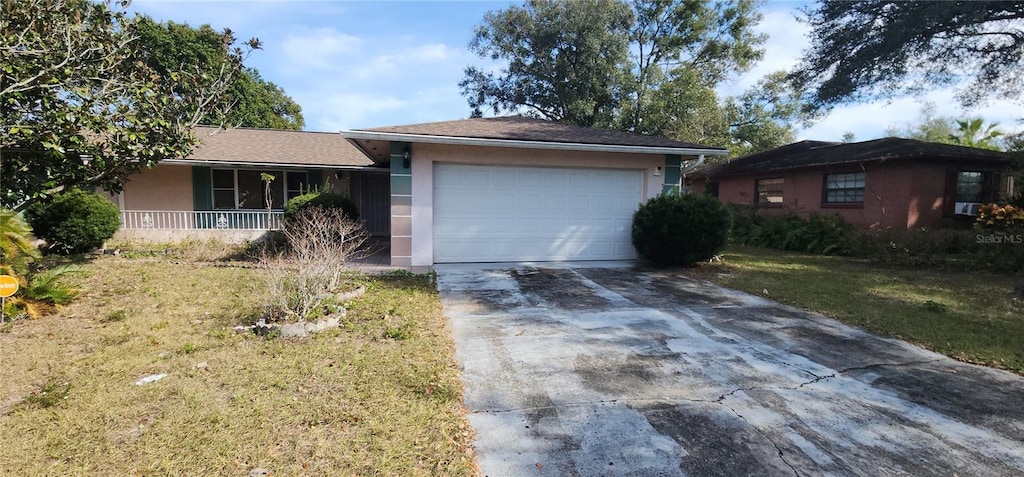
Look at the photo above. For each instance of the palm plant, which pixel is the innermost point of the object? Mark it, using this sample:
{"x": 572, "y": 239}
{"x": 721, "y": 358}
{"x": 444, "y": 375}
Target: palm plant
{"x": 41, "y": 292}
{"x": 16, "y": 249}
{"x": 972, "y": 132}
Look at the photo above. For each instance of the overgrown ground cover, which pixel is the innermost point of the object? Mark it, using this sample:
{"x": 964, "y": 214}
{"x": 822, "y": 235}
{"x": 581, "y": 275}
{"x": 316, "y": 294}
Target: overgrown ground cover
{"x": 381, "y": 395}
{"x": 971, "y": 316}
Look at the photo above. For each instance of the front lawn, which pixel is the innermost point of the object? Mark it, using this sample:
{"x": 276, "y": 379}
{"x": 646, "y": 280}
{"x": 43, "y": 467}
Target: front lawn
{"x": 972, "y": 316}
{"x": 379, "y": 396}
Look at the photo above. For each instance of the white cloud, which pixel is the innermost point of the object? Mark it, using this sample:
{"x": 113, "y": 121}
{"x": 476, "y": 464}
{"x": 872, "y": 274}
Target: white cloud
{"x": 319, "y": 49}
{"x": 787, "y": 38}
{"x": 870, "y": 120}
{"x": 346, "y": 110}
{"x": 437, "y": 57}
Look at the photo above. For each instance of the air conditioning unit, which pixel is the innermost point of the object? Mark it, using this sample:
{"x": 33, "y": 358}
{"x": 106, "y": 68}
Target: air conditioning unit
{"x": 967, "y": 208}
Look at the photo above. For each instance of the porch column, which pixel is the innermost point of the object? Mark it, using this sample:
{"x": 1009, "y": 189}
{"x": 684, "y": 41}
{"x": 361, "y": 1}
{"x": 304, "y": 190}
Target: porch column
{"x": 401, "y": 206}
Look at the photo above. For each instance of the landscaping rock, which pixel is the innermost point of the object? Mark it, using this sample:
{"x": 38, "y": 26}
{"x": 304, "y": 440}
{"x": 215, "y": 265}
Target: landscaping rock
{"x": 297, "y": 330}
{"x": 358, "y": 292}
{"x": 149, "y": 379}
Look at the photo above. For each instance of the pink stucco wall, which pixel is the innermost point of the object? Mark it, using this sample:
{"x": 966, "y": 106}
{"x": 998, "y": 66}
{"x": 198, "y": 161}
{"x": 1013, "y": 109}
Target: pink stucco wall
{"x": 164, "y": 187}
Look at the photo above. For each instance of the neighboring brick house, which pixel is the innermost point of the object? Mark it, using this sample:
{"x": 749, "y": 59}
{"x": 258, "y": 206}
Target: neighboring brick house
{"x": 890, "y": 182}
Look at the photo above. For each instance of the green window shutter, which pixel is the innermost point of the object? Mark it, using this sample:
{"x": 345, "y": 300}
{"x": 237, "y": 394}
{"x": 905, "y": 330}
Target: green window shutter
{"x": 316, "y": 178}
{"x": 202, "y": 188}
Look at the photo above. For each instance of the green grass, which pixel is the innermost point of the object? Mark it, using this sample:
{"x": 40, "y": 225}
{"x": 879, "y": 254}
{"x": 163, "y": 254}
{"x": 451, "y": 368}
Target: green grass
{"x": 351, "y": 401}
{"x": 971, "y": 316}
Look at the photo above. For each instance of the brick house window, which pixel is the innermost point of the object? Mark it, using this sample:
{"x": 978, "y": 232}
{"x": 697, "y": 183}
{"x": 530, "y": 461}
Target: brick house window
{"x": 845, "y": 188}
{"x": 711, "y": 190}
{"x": 769, "y": 191}
{"x": 966, "y": 189}
{"x": 970, "y": 186}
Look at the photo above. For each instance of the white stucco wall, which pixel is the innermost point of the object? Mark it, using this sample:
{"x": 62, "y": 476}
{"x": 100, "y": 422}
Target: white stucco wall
{"x": 425, "y": 155}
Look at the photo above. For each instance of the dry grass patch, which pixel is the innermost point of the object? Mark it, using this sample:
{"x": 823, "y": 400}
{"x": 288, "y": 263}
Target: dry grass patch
{"x": 972, "y": 316}
{"x": 352, "y": 401}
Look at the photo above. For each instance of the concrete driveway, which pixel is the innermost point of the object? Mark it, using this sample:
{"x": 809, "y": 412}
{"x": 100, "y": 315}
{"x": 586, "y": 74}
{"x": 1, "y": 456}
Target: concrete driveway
{"x": 616, "y": 371}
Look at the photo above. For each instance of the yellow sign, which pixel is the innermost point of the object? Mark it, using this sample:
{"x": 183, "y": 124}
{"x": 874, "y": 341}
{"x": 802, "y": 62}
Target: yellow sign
{"x": 8, "y": 285}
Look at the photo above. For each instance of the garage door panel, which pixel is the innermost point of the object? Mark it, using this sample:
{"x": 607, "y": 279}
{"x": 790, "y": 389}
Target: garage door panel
{"x": 623, "y": 248}
{"x": 555, "y": 179}
{"x": 495, "y": 213}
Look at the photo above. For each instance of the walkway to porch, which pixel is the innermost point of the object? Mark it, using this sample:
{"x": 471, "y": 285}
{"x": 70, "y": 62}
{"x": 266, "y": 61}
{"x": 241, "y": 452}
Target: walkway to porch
{"x": 379, "y": 259}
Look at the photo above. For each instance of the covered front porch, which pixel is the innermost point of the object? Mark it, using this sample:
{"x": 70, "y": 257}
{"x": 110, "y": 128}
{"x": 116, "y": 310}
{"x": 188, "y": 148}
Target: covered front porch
{"x": 156, "y": 205}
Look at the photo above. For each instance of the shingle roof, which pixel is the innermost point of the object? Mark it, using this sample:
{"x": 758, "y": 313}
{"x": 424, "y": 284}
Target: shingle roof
{"x": 273, "y": 146}
{"x": 519, "y": 128}
{"x": 821, "y": 153}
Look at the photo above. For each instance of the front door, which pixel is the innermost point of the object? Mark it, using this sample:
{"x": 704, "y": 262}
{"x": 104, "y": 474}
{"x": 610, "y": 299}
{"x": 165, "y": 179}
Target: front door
{"x": 375, "y": 202}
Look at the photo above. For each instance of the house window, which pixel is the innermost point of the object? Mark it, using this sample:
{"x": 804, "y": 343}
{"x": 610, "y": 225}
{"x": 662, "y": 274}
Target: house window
{"x": 298, "y": 184}
{"x": 973, "y": 188}
{"x": 224, "y": 189}
{"x": 970, "y": 186}
{"x": 711, "y": 190}
{"x": 844, "y": 188}
{"x": 245, "y": 188}
{"x": 769, "y": 191}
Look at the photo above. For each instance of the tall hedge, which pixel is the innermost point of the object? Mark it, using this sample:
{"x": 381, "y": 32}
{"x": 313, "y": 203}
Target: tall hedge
{"x": 74, "y": 221}
{"x": 678, "y": 229}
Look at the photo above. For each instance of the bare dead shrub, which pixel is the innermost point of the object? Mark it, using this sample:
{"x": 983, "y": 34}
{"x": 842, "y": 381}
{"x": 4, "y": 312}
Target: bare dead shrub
{"x": 320, "y": 243}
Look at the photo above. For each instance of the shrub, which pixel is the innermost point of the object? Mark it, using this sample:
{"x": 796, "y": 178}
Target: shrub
{"x": 820, "y": 234}
{"x": 323, "y": 199}
{"x": 745, "y": 220}
{"x": 42, "y": 291}
{"x": 827, "y": 234}
{"x": 74, "y": 221}
{"x": 997, "y": 217}
{"x": 302, "y": 282}
{"x": 955, "y": 249}
{"x": 674, "y": 229}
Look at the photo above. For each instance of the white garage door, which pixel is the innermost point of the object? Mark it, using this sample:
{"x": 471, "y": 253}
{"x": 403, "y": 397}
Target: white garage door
{"x": 505, "y": 214}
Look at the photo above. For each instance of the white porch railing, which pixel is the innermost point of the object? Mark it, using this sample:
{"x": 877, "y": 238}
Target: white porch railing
{"x": 195, "y": 220}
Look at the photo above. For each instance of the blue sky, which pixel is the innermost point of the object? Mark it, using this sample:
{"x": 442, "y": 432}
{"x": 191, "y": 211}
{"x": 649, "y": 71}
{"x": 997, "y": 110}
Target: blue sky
{"x": 368, "y": 64}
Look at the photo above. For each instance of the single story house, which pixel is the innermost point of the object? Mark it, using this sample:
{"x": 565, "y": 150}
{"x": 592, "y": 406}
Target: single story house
{"x": 889, "y": 183}
{"x": 474, "y": 190}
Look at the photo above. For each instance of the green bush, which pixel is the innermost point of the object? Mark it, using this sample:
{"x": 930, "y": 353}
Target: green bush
{"x": 674, "y": 229}
{"x": 952, "y": 249}
{"x": 322, "y": 199}
{"x": 74, "y": 221}
{"x": 819, "y": 234}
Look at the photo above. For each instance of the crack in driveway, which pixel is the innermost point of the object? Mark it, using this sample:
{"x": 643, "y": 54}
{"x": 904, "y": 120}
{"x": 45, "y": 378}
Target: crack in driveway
{"x": 818, "y": 379}
{"x": 719, "y": 400}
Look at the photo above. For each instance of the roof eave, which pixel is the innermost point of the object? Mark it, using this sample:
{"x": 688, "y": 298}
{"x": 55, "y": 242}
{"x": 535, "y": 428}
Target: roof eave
{"x": 785, "y": 168}
{"x": 206, "y": 162}
{"x": 524, "y": 144}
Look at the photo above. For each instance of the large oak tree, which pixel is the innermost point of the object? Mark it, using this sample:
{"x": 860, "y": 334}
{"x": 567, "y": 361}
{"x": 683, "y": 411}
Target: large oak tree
{"x": 646, "y": 66}
{"x": 254, "y": 102}
{"x": 873, "y": 49}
